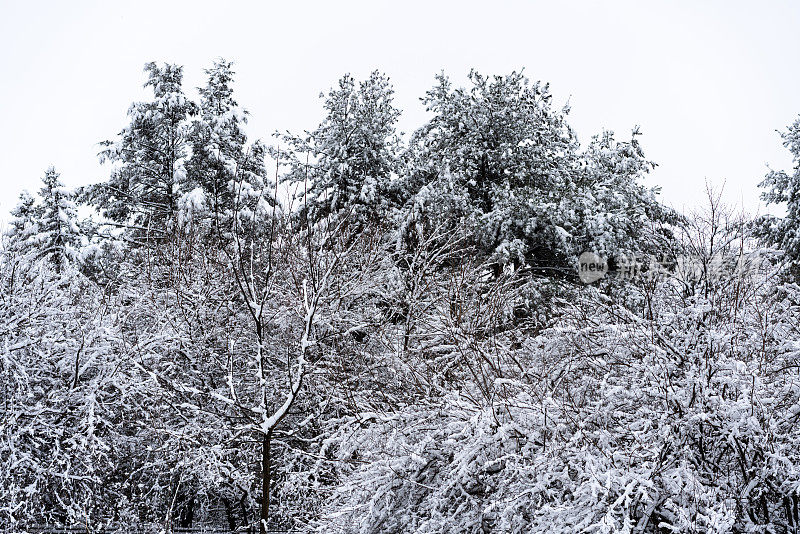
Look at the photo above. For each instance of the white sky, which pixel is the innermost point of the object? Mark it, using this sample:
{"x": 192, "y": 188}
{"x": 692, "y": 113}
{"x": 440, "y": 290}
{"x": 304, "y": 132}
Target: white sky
{"x": 709, "y": 82}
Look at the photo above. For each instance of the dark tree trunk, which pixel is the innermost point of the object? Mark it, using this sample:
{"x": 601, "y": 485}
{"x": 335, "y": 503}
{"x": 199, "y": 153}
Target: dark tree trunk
{"x": 245, "y": 513}
{"x": 229, "y": 514}
{"x": 266, "y": 480}
{"x": 187, "y": 513}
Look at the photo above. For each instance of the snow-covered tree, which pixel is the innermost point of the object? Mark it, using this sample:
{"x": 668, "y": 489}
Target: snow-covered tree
{"x": 499, "y": 158}
{"x": 609, "y": 210}
{"x": 47, "y": 227}
{"x": 59, "y": 236}
{"x": 61, "y": 392}
{"x": 783, "y": 188}
{"x": 224, "y": 165}
{"x": 346, "y": 163}
{"x": 236, "y": 329}
{"x": 494, "y": 146}
{"x": 150, "y": 153}
{"x": 23, "y": 223}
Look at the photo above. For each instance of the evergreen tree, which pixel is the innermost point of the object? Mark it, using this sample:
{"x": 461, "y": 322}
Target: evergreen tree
{"x": 501, "y": 133}
{"x": 783, "y": 188}
{"x": 47, "y": 228}
{"x": 348, "y": 161}
{"x": 496, "y": 154}
{"x": 58, "y": 234}
{"x": 230, "y": 171}
{"x": 608, "y": 211}
{"x": 500, "y": 160}
{"x": 144, "y": 190}
{"x": 23, "y": 224}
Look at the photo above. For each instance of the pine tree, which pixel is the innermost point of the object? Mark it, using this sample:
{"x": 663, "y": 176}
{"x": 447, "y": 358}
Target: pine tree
{"x": 23, "y": 225}
{"x": 346, "y": 164}
{"x": 144, "y": 190}
{"x": 784, "y": 189}
{"x": 609, "y": 211}
{"x": 47, "y": 228}
{"x": 500, "y": 160}
{"x": 58, "y": 235}
{"x": 230, "y": 171}
{"x": 491, "y": 159}
{"x": 501, "y": 133}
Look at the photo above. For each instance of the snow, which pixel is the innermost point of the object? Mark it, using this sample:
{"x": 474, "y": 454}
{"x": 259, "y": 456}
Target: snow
{"x": 191, "y": 205}
{"x": 408, "y": 337}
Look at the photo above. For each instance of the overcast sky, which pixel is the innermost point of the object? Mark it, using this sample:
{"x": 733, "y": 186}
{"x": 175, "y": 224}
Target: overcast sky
{"x": 708, "y": 82}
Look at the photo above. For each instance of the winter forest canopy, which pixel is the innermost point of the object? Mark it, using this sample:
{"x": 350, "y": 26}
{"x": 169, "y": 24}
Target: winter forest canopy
{"x": 347, "y": 330}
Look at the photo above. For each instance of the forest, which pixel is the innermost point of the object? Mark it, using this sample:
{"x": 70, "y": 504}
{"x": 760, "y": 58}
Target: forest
{"x": 351, "y": 330}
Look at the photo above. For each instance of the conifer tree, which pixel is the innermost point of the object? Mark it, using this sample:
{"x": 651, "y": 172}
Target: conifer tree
{"x": 47, "y": 228}
{"x": 144, "y": 189}
{"x": 59, "y": 236}
{"x": 499, "y": 159}
{"x": 230, "y": 171}
{"x": 783, "y": 188}
{"x": 23, "y": 224}
{"x": 345, "y": 165}
{"x": 491, "y": 158}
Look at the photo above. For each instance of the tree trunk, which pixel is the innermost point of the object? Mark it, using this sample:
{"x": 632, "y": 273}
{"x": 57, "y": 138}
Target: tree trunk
{"x": 245, "y": 514}
{"x": 229, "y": 514}
{"x": 266, "y": 465}
{"x": 187, "y": 513}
